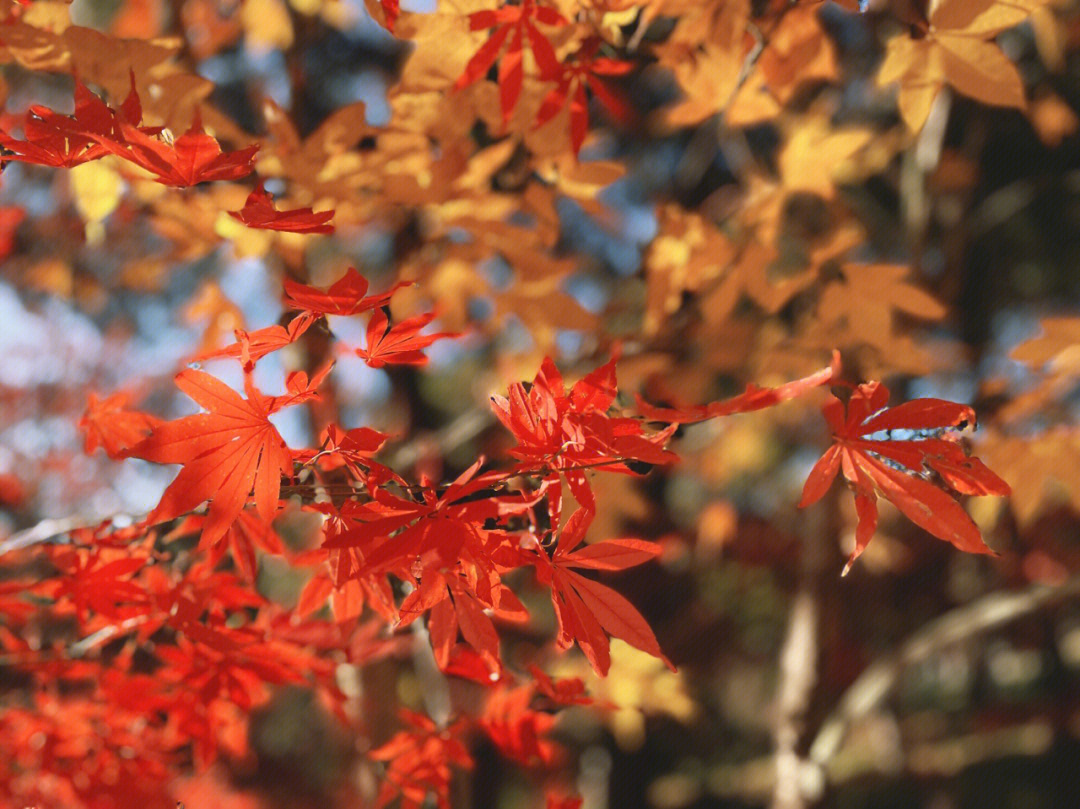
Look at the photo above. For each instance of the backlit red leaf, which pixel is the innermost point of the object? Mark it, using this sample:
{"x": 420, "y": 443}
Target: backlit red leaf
{"x": 259, "y": 212}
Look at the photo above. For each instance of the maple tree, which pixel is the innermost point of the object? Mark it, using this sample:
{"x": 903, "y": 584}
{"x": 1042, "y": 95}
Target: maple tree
{"x": 471, "y": 478}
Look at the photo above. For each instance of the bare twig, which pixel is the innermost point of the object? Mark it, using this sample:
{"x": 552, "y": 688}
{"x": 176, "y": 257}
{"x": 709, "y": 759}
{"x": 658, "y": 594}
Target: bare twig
{"x": 461, "y": 430}
{"x": 761, "y": 41}
{"x": 827, "y": 760}
{"x": 47, "y": 529}
{"x": 752, "y": 781}
{"x": 77, "y": 649}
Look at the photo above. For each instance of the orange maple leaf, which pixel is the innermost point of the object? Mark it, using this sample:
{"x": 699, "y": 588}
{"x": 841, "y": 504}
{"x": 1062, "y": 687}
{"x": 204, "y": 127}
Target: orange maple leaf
{"x": 957, "y": 50}
{"x": 227, "y": 453}
{"x": 109, "y": 425}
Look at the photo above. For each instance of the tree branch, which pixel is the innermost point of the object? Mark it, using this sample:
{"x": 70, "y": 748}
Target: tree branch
{"x": 962, "y": 623}
{"x": 798, "y": 667}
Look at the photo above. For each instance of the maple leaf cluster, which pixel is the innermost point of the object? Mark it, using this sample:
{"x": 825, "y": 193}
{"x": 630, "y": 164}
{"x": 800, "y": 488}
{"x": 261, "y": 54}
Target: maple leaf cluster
{"x": 95, "y": 131}
{"x": 425, "y": 552}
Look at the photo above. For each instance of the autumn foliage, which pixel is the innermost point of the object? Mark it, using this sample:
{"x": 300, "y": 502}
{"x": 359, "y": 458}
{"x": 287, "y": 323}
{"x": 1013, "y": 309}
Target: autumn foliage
{"x": 449, "y": 224}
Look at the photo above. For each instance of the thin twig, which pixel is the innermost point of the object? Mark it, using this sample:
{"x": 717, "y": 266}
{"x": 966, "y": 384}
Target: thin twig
{"x": 761, "y": 41}
{"x": 77, "y": 649}
{"x": 48, "y": 529}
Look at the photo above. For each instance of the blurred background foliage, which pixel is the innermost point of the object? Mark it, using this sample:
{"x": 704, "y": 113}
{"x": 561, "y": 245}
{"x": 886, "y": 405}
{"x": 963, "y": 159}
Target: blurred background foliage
{"x": 720, "y": 243}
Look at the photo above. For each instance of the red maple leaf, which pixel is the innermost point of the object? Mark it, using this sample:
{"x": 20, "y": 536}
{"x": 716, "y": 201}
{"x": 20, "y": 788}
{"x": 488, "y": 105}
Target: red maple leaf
{"x": 418, "y": 762}
{"x": 454, "y": 605}
{"x": 391, "y": 10}
{"x": 569, "y": 691}
{"x": 12, "y": 491}
{"x": 391, "y": 532}
{"x": 245, "y": 536}
{"x": 516, "y": 23}
{"x": 346, "y": 296}
{"x": 903, "y": 471}
{"x": 399, "y": 344}
{"x": 585, "y": 608}
{"x": 109, "y": 425}
{"x": 554, "y": 801}
{"x": 354, "y": 449}
{"x": 347, "y": 598}
{"x": 193, "y": 158}
{"x": 585, "y": 71}
{"x": 227, "y": 453}
{"x": 259, "y": 212}
{"x": 92, "y": 583}
{"x": 64, "y": 141}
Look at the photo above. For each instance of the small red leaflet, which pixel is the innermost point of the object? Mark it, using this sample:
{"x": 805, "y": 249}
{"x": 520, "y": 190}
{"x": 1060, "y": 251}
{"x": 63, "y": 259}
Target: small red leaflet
{"x": 109, "y": 425}
{"x": 399, "y": 344}
{"x": 586, "y": 70}
{"x": 259, "y": 212}
{"x": 346, "y": 296}
{"x": 418, "y": 762}
{"x": 250, "y": 347}
{"x": 753, "y": 398}
{"x": 392, "y": 10}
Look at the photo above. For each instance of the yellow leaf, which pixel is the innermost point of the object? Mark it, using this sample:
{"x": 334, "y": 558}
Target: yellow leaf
{"x": 980, "y": 70}
{"x": 48, "y": 15}
{"x": 97, "y": 190}
{"x": 915, "y": 101}
{"x": 981, "y": 18}
{"x": 267, "y": 24}
{"x": 904, "y": 55}
{"x": 813, "y": 153}
{"x": 1051, "y": 38}
{"x": 965, "y": 60}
